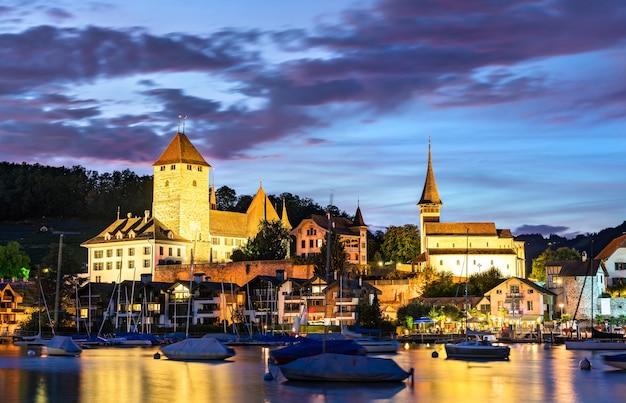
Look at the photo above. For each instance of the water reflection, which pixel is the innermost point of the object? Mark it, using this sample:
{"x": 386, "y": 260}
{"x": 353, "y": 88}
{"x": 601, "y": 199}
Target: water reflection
{"x": 111, "y": 375}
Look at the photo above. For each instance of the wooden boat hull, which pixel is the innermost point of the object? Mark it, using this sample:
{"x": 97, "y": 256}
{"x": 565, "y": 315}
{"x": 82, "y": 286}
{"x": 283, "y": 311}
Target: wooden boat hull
{"x": 330, "y": 367}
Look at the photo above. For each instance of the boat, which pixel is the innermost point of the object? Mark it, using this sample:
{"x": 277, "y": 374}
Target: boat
{"x": 332, "y": 367}
{"x": 616, "y": 361}
{"x": 61, "y": 346}
{"x": 371, "y": 344}
{"x": 198, "y": 349}
{"x": 591, "y": 344}
{"x": 477, "y": 348}
{"x": 28, "y": 341}
{"x": 308, "y": 347}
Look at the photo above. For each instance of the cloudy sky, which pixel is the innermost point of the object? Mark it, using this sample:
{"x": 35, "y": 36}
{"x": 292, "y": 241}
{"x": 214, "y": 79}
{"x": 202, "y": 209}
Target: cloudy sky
{"x": 524, "y": 101}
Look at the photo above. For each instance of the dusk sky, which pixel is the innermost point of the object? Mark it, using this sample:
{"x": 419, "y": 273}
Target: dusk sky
{"x": 524, "y": 101}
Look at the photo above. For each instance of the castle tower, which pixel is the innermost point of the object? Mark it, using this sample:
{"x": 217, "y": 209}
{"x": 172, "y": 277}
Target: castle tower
{"x": 360, "y": 226}
{"x": 181, "y": 194}
{"x": 430, "y": 203}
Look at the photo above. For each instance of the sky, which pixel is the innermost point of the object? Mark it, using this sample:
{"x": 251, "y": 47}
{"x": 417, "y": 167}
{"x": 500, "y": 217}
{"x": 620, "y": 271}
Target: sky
{"x": 523, "y": 102}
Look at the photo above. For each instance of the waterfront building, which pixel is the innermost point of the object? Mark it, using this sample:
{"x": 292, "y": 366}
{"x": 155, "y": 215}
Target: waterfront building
{"x": 9, "y": 309}
{"x": 613, "y": 259}
{"x": 463, "y": 248}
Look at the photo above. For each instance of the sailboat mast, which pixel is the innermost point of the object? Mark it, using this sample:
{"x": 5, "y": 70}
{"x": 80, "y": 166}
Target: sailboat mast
{"x": 466, "y": 279}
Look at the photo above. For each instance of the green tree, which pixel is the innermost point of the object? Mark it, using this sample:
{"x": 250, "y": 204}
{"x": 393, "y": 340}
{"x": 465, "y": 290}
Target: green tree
{"x": 226, "y": 198}
{"x": 270, "y": 243}
{"x": 480, "y": 283}
{"x": 443, "y": 286}
{"x": 338, "y": 256}
{"x": 401, "y": 244}
{"x": 370, "y": 315}
{"x": 12, "y": 261}
{"x": 539, "y": 264}
{"x": 415, "y": 309}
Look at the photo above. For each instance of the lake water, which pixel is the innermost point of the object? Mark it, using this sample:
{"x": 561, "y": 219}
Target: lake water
{"x": 118, "y": 375}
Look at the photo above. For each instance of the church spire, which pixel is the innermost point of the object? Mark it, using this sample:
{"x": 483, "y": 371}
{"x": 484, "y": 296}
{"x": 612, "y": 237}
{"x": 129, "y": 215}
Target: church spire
{"x": 430, "y": 195}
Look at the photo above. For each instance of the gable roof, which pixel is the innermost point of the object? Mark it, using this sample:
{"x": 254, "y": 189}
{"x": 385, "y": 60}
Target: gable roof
{"x": 527, "y": 282}
{"x": 141, "y": 228}
{"x": 180, "y": 150}
{"x": 461, "y": 228}
{"x": 341, "y": 225}
{"x": 619, "y": 242}
{"x": 575, "y": 268}
{"x": 260, "y": 209}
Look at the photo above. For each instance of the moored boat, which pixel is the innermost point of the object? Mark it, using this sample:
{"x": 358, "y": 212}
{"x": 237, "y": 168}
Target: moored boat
{"x": 331, "y": 367}
{"x": 198, "y": 349}
{"x": 616, "y": 361}
{"x": 61, "y": 346}
{"x": 477, "y": 350}
{"x": 591, "y": 344}
{"x": 307, "y": 347}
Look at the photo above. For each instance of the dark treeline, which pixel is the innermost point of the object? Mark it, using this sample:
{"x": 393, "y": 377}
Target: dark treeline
{"x": 35, "y": 191}
{"x": 29, "y": 191}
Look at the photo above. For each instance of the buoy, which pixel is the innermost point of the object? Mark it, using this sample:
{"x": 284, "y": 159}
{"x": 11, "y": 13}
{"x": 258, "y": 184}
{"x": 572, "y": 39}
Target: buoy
{"x": 268, "y": 376}
{"x": 546, "y": 346}
{"x": 435, "y": 354}
{"x": 585, "y": 364}
{"x": 157, "y": 356}
{"x": 31, "y": 353}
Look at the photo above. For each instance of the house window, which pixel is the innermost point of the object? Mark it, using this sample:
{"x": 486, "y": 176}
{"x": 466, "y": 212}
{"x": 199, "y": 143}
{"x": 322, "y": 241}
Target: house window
{"x": 228, "y": 254}
{"x": 311, "y": 243}
{"x": 109, "y": 265}
{"x": 178, "y": 252}
{"x": 620, "y": 266}
{"x": 146, "y": 263}
{"x": 319, "y": 243}
{"x": 109, "y": 252}
{"x": 303, "y": 243}
{"x": 189, "y": 167}
{"x": 169, "y": 251}
{"x": 131, "y": 264}
{"x": 531, "y": 291}
{"x": 173, "y": 167}
{"x": 146, "y": 250}
{"x": 199, "y": 169}
{"x": 498, "y": 291}
{"x": 160, "y": 251}
{"x": 118, "y": 252}
{"x": 98, "y": 279}
{"x": 97, "y": 266}
{"x": 441, "y": 263}
{"x": 529, "y": 305}
{"x": 215, "y": 241}
{"x": 228, "y": 241}
{"x": 167, "y": 183}
{"x": 118, "y": 265}
{"x": 194, "y": 183}
{"x": 162, "y": 167}
{"x": 458, "y": 262}
{"x": 131, "y": 251}
{"x": 514, "y": 289}
{"x": 97, "y": 254}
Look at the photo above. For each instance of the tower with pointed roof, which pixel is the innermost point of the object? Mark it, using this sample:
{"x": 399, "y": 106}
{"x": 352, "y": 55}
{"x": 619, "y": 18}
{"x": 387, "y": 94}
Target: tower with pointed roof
{"x": 430, "y": 203}
{"x": 181, "y": 193}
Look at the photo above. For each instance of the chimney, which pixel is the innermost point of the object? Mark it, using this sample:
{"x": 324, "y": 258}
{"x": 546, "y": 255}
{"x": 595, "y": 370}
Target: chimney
{"x": 146, "y": 278}
{"x": 146, "y": 215}
{"x": 583, "y": 256}
{"x": 198, "y": 277}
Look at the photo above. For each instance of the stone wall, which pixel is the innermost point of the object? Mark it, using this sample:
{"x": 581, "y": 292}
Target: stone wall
{"x": 236, "y": 272}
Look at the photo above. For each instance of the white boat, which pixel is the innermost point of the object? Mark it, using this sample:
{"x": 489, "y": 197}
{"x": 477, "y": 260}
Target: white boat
{"x": 204, "y": 348}
{"x": 477, "y": 350}
{"x": 591, "y": 344}
{"x": 61, "y": 345}
{"x": 330, "y": 367}
{"x": 35, "y": 340}
{"x": 616, "y": 361}
{"x": 375, "y": 346}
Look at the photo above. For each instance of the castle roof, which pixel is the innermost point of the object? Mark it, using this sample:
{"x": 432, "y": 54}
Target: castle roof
{"x": 180, "y": 150}
{"x": 135, "y": 228}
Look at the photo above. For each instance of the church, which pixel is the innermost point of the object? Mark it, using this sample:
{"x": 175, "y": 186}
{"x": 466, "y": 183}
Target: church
{"x": 463, "y": 248}
{"x": 185, "y": 226}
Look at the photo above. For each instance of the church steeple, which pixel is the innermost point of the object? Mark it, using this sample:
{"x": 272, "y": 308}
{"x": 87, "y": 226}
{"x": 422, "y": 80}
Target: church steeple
{"x": 430, "y": 203}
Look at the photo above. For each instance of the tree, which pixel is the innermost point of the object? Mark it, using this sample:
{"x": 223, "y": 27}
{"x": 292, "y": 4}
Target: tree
{"x": 12, "y": 261}
{"x": 270, "y": 243}
{"x": 338, "y": 256}
{"x": 414, "y": 310}
{"x": 401, "y": 244}
{"x": 443, "y": 286}
{"x": 226, "y": 198}
{"x": 370, "y": 315}
{"x": 480, "y": 283}
{"x": 539, "y": 264}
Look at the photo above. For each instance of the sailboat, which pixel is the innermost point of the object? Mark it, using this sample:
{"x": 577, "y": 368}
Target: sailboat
{"x": 477, "y": 348}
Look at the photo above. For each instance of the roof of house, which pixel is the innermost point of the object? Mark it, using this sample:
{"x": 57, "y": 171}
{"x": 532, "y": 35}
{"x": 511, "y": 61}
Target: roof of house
{"x": 619, "y": 242}
{"x": 180, "y": 150}
{"x": 342, "y": 225}
{"x": 430, "y": 195}
{"x": 576, "y": 268}
{"x": 141, "y": 228}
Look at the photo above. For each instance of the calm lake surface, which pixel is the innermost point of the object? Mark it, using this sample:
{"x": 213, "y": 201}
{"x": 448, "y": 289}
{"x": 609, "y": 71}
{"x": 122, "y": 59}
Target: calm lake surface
{"x": 117, "y": 375}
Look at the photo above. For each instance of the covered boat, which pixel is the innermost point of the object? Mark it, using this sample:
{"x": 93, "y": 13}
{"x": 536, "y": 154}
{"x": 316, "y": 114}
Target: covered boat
{"x": 204, "y": 348}
{"x": 331, "y": 367}
{"x": 477, "y": 350}
{"x": 307, "y": 347}
{"x": 62, "y": 346}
